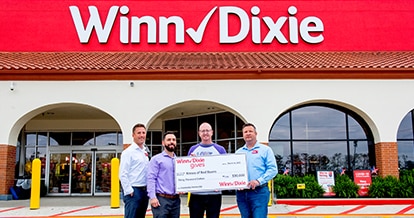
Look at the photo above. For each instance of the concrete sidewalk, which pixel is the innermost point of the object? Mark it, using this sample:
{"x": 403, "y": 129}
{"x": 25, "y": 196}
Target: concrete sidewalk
{"x": 100, "y": 207}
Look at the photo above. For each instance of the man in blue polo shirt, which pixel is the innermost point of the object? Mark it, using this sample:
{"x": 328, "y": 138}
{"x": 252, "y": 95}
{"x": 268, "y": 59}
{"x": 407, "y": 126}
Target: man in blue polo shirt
{"x": 261, "y": 168}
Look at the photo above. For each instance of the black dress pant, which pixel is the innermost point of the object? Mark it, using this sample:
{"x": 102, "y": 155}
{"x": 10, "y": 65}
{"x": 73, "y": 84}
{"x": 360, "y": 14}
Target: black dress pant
{"x": 210, "y": 204}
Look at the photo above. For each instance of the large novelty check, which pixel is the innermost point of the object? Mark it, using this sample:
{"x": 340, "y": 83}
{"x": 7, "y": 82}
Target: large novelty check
{"x": 209, "y": 173}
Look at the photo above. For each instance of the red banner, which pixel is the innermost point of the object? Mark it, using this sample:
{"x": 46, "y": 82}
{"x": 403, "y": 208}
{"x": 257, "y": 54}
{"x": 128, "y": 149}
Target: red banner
{"x": 269, "y": 26}
{"x": 363, "y": 179}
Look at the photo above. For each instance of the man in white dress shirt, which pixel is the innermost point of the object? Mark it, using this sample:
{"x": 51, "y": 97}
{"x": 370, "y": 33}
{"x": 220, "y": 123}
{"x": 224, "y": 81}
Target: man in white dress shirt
{"x": 133, "y": 174}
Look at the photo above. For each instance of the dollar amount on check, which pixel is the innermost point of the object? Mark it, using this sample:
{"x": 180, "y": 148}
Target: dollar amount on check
{"x": 209, "y": 173}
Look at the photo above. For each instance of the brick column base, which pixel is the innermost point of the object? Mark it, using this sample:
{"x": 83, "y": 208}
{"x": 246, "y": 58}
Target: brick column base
{"x": 126, "y": 146}
{"x": 7, "y": 168}
{"x": 386, "y": 155}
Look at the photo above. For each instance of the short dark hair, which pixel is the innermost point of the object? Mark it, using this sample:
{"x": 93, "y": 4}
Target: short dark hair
{"x": 137, "y": 126}
{"x": 167, "y": 133}
{"x": 248, "y": 124}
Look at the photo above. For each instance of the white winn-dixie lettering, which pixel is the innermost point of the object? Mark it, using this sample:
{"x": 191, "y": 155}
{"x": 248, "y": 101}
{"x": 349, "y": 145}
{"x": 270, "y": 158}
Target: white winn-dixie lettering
{"x": 210, "y": 173}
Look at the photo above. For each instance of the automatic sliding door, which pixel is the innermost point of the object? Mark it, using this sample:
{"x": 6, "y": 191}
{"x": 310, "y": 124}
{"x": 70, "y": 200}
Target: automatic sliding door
{"x": 59, "y": 173}
{"x": 103, "y": 172}
{"x": 82, "y": 173}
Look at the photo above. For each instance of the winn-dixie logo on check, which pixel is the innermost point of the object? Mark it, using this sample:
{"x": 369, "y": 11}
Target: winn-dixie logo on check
{"x": 193, "y": 162}
{"x": 252, "y": 26}
{"x": 218, "y": 172}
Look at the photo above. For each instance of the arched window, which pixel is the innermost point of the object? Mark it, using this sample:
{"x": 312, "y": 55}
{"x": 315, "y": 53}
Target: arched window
{"x": 321, "y": 137}
{"x": 226, "y": 126}
{"x": 405, "y": 140}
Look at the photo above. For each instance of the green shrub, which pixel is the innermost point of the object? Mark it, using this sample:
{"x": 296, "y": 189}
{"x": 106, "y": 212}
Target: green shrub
{"x": 387, "y": 187}
{"x": 285, "y": 186}
{"x": 313, "y": 189}
{"x": 406, "y": 184}
{"x": 344, "y": 187}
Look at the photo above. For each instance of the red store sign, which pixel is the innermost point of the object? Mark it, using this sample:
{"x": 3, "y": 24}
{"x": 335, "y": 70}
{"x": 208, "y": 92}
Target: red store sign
{"x": 363, "y": 179}
{"x": 269, "y": 26}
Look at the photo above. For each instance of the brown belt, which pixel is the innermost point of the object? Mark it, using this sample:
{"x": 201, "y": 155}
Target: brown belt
{"x": 168, "y": 196}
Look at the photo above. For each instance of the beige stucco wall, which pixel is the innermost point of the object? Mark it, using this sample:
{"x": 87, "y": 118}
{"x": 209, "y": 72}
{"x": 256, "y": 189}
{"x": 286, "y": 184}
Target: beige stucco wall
{"x": 382, "y": 103}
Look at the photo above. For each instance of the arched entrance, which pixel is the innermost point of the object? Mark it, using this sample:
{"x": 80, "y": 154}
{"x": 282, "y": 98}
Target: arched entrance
{"x": 75, "y": 144}
{"x": 184, "y": 119}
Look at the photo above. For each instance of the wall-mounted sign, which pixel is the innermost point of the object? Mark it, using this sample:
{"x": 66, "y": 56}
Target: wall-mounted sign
{"x": 308, "y": 30}
{"x": 201, "y": 25}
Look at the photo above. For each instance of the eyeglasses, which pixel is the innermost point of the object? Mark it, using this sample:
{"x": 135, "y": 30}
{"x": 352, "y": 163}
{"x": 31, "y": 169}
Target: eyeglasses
{"x": 205, "y": 130}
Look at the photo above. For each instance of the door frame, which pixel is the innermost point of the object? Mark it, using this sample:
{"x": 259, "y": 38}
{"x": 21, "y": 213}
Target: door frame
{"x": 80, "y": 149}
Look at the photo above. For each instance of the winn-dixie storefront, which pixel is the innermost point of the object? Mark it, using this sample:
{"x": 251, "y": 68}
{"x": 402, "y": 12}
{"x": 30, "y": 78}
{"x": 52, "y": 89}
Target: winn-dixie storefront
{"x": 75, "y": 76}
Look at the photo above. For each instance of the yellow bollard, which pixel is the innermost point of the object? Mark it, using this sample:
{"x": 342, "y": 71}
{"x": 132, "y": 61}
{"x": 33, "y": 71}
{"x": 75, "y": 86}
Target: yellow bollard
{"x": 35, "y": 186}
{"x": 115, "y": 201}
{"x": 270, "y": 185}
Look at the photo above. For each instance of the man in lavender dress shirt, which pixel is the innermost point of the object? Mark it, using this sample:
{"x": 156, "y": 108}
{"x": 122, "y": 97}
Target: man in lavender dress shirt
{"x": 164, "y": 201}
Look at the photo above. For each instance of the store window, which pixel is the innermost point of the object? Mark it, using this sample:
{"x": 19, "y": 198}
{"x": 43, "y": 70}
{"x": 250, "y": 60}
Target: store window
{"x": 226, "y": 126}
{"x": 321, "y": 137}
{"x": 154, "y": 142}
{"x": 405, "y": 141}
{"x": 60, "y": 138}
{"x": 83, "y": 138}
{"x": 36, "y": 146}
{"x": 104, "y": 139}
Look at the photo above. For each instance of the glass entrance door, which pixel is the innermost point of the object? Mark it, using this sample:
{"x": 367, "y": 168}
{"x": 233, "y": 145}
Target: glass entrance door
{"x": 60, "y": 173}
{"x": 102, "y": 175}
{"x": 83, "y": 172}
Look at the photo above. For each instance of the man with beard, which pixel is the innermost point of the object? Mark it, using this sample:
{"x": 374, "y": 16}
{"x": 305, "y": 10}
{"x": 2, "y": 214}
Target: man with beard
{"x": 164, "y": 201}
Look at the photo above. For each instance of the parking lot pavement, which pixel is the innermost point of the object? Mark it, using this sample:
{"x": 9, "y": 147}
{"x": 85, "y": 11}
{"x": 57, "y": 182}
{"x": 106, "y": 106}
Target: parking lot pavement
{"x": 75, "y": 207}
